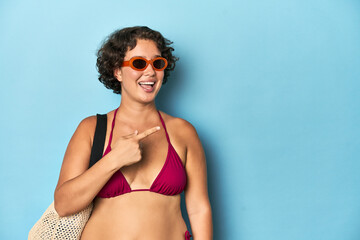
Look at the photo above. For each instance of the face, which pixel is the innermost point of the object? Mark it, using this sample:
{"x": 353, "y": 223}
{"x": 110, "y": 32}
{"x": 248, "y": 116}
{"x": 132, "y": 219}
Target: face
{"x": 141, "y": 86}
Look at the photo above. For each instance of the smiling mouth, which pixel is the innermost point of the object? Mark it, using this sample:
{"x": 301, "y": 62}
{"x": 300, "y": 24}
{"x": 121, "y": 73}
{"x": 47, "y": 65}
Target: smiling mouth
{"x": 147, "y": 86}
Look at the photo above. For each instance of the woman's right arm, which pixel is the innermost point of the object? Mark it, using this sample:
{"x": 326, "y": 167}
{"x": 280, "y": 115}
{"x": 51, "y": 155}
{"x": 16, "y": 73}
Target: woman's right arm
{"x": 78, "y": 185}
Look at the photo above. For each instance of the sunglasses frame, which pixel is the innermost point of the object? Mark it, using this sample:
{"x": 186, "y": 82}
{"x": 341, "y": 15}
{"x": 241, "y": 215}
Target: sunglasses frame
{"x": 130, "y": 63}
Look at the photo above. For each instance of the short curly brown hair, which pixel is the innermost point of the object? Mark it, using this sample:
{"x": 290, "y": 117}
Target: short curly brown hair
{"x": 111, "y": 54}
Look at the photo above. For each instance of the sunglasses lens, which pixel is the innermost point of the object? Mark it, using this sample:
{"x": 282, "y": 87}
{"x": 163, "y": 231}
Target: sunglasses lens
{"x": 139, "y": 63}
{"x": 159, "y": 63}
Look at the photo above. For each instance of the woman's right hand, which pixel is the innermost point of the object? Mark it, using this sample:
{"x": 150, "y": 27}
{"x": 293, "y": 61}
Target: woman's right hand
{"x": 127, "y": 148}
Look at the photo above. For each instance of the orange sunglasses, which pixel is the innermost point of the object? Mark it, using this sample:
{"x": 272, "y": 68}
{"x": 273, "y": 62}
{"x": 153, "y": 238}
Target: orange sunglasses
{"x": 140, "y": 63}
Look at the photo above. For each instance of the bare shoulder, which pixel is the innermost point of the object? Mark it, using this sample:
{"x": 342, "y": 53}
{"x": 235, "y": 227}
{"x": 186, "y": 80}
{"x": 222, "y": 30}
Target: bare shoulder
{"x": 86, "y": 128}
{"x": 88, "y": 123}
{"x": 179, "y": 127}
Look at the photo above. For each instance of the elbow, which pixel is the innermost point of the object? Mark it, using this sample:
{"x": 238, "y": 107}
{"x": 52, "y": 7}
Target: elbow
{"x": 60, "y": 210}
{"x": 66, "y": 206}
{"x": 204, "y": 210}
{"x": 60, "y": 205}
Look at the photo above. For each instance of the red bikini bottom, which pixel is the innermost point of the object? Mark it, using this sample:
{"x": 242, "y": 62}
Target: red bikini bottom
{"x": 187, "y": 235}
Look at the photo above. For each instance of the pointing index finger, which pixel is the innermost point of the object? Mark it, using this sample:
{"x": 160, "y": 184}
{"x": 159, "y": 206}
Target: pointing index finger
{"x": 147, "y": 133}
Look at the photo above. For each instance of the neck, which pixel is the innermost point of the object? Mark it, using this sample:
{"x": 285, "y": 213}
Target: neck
{"x": 132, "y": 111}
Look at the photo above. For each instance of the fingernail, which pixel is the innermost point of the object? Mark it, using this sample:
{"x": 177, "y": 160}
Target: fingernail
{"x": 157, "y": 128}
{"x": 136, "y": 132}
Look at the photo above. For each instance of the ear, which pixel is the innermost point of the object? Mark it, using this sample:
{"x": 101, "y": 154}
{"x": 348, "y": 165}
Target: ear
{"x": 117, "y": 74}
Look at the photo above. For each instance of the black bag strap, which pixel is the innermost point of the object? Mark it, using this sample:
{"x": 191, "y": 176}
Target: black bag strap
{"x": 99, "y": 139}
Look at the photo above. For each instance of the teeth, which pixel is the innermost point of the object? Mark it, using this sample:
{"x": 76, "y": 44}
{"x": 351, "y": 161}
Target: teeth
{"x": 146, "y": 83}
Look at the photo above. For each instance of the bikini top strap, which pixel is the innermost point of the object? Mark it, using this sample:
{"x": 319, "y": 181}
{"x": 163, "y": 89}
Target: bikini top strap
{"x": 163, "y": 123}
{"x": 112, "y": 127}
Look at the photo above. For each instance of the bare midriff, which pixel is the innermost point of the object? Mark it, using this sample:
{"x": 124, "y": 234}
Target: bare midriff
{"x": 139, "y": 215}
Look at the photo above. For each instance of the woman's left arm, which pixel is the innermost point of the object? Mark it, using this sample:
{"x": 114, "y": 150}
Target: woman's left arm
{"x": 196, "y": 192}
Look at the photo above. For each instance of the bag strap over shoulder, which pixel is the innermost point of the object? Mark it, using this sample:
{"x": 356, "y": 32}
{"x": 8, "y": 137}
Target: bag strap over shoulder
{"x": 99, "y": 139}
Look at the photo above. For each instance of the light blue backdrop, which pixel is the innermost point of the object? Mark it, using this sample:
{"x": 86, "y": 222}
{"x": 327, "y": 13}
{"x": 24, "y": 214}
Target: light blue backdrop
{"x": 271, "y": 86}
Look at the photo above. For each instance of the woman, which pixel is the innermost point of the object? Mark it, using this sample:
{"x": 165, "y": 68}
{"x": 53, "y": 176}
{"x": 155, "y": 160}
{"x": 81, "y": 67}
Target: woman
{"x": 149, "y": 157}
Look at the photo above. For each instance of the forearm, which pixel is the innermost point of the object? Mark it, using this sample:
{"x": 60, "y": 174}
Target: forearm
{"x": 75, "y": 194}
{"x": 201, "y": 225}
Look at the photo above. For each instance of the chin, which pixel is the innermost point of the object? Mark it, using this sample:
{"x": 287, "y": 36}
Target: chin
{"x": 148, "y": 99}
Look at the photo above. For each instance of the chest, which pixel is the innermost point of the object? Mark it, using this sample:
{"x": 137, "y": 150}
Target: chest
{"x": 155, "y": 150}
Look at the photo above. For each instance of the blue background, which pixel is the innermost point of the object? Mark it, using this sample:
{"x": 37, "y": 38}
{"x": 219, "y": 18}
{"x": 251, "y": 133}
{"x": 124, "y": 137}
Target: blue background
{"x": 271, "y": 86}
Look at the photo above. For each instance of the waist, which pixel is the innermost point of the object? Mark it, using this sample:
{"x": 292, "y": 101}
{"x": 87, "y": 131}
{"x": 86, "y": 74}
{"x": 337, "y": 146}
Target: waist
{"x": 136, "y": 215}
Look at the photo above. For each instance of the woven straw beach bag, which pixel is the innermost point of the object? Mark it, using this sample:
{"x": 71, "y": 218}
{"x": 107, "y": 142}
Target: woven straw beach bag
{"x": 52, "y": 226}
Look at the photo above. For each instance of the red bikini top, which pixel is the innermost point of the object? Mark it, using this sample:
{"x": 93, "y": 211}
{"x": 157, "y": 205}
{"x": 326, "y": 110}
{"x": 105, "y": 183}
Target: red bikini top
{"x": 171, "y": 179}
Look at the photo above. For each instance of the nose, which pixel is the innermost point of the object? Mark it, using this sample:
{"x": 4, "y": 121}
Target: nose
{"x": 149, "y": 70}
